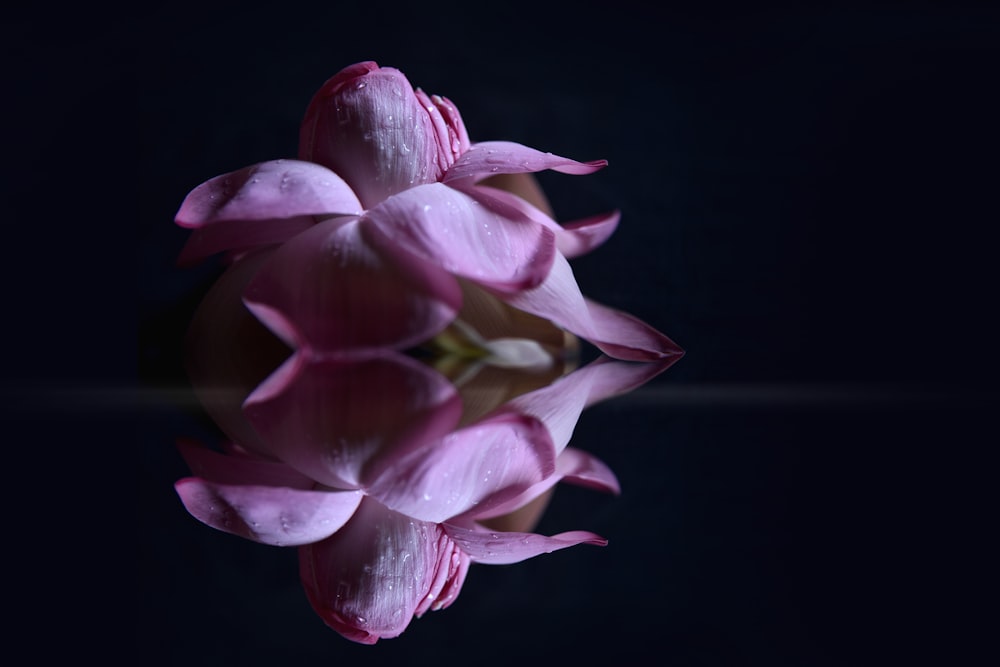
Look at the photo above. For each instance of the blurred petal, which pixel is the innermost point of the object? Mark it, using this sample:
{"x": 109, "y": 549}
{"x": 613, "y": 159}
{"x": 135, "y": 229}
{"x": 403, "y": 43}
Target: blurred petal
{"x": 367, "y": 125}
{"x": 327, "y": 292}
{"x": 239, "y": 236}
{"x": 521, "y": 517}
{"x": 475, "y": 467}
{"x": 368, "y": 580}
{"x": 496, "y": 548}
{"x": 492, "y": 319}
{"x": 517, "y": 353}
{"x": 617, "y": 334}
{"x": 461, "y": 339}
{"x": 278, "y": 516}
{"x": 506, "y": 157}
{"x": 335, "y": 421}
{"x": 220, "y": 468}
{"x": 451, "y": 229}
{"x": 228, "y": 352}
{"x": 484, "y": 388}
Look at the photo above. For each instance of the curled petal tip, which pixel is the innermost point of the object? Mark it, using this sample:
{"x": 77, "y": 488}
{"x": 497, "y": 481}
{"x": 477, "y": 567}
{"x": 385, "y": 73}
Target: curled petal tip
{"x": 489, "y": 158}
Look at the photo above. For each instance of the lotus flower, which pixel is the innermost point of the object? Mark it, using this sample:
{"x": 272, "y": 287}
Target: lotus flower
{"x": 379, "y": 243}
{"x": 387, "y": 192}
{"x": 366, "y": 569}
{"x": 369, "y": 469}
{"x": 390, "y": 479}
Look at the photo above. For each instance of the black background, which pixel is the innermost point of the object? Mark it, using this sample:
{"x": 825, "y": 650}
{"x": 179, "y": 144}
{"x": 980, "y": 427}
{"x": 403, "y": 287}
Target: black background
{"x": 808, "y": 199}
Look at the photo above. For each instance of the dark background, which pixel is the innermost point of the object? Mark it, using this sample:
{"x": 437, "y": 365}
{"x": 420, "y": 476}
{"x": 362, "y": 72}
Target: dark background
{"x": 808, "y": 200}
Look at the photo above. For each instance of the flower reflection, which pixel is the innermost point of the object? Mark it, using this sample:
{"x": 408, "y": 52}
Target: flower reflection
{"x": 392, "y": 354}
{"x": 388, "y": 485}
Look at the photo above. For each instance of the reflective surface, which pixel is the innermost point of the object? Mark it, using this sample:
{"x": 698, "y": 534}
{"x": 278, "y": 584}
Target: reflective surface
{"x": 808, "y": 194}
{"x": 390, "y": 473}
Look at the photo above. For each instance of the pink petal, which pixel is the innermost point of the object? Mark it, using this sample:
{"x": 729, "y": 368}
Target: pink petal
{"x": 585, "y": 469}
{"x": 452, "y": 138}
{"x": 335, "y": 421}
{"x": 624, "y": 336}
{"x": 451, "y": 229}
{"x": 369, "y": 579}
{"x": 448, "y": 579}
{"x": 367, "y": 125}
{"x": 263, "y": 204}
{"x": 496, "y": 548}
{"x": 476, "y": 467}
{"x": 615, "y": 333}
{"x": 277, "y": 189}
{"x": 327, "y": 292}
{"x": 505, "y": 157}
{"x": 611, "y": 378}
{"x": 278, "y": 516}
{"x": 572, "y": 239}
{"x": 560, "y": 404}
{"x": 557, "y": 405}
{"x": 574, "y": 466}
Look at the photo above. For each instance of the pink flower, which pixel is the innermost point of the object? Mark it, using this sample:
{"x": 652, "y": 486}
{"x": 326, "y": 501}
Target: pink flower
{"x": 387, "y": 193}
{"x": 395, "y": 429}
{"x": 366, "y": 569}
{"x": 373, "y": 470}
{"x": 391, "y": 472}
